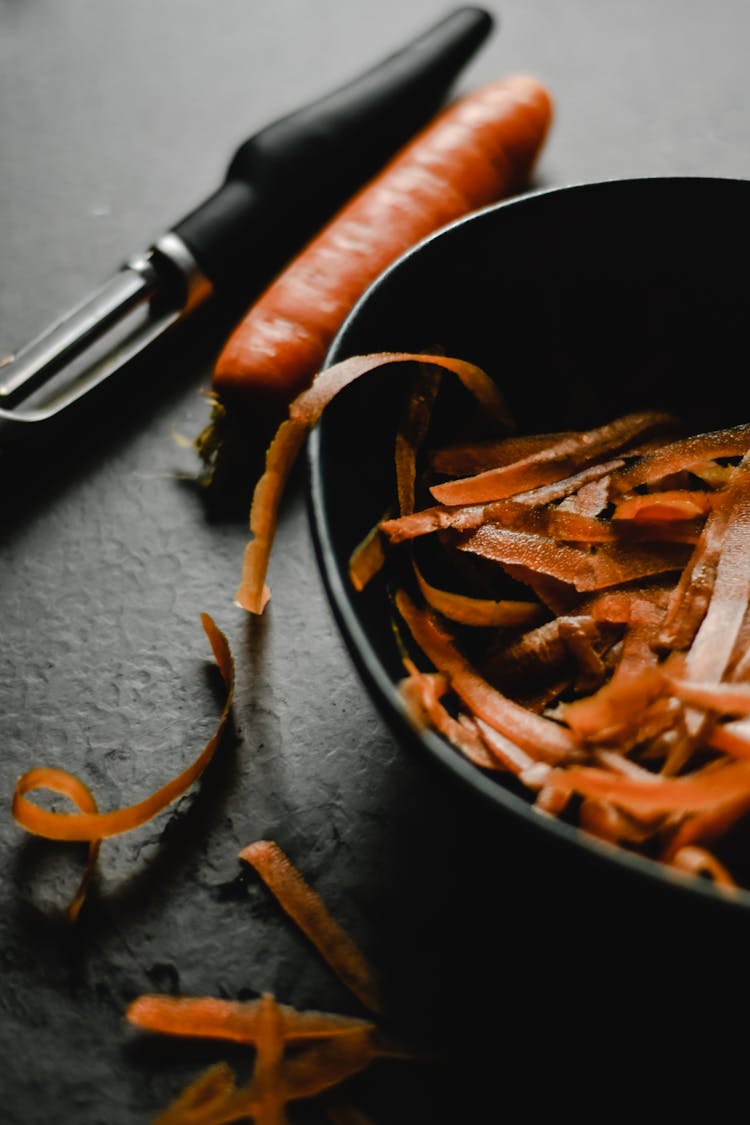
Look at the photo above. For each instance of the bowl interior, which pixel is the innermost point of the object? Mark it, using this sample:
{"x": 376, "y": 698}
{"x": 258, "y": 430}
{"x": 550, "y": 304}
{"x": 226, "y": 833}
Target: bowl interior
{"x": 582, "y": 303}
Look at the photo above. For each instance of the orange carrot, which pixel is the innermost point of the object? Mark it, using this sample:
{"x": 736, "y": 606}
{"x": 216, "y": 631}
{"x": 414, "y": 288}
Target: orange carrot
{"x": 516, "y": 515}
{"x": 670, "y": 504}
{"x": 367, "y": 558}
{"x": 476, "y": 151}
{"x": 698, "y": 792}
{"x": 477, "y": 456}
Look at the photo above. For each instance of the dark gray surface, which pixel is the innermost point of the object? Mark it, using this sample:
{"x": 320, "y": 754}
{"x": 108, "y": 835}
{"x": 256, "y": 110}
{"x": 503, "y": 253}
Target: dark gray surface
{"x": 115, "y": 119}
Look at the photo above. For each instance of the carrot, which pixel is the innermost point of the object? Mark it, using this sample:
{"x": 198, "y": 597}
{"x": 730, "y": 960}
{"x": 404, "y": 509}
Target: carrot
{"x": 476, "y": 151}
{"x": 682, "y": 454}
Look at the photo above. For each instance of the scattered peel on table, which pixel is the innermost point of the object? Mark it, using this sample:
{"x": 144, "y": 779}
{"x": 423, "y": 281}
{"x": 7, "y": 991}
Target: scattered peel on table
{"x": 327, "y": 1047}
{"x": 278, "y": 1078}
{"x": 92, "y": 826}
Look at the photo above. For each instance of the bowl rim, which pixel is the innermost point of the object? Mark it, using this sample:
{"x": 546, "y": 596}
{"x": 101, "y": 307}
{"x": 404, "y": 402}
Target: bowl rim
{"x": 378, "y": 682}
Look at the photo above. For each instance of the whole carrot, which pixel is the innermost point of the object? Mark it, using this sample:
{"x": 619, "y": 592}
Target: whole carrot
{"x": 476, "y": 151}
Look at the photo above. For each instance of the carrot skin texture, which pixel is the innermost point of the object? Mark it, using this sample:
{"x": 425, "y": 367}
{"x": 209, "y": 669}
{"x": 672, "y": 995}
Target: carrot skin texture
{"x": 476, "y": 151}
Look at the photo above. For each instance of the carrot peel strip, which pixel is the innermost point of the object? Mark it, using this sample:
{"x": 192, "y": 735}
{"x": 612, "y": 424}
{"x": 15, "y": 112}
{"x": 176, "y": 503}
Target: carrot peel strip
{"x": 90, "y": 825}
{"x": 541, "y": 738}
{"x": 68, "y": 785}
{"x": 209, "y": 1093}
{"x": 467, "y": 610}
{"x": 698, "y": 861}
{"x": 208, "y": 1017}
{"x": 688, "y": 794}
{"x": 308, "y": 910}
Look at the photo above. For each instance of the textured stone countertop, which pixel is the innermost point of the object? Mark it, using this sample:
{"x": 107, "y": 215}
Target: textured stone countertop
{"x": 115, "y": 119}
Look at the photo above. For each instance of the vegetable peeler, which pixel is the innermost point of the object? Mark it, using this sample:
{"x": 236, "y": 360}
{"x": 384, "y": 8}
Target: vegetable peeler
{"x": 247, "y": 229}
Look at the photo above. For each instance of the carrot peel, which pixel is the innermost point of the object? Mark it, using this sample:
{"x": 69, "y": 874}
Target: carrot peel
{"x": 306, "y": 410}
{"x": 298, "y": 899}
{"x": 239, "y": 1021}
{"x": 92, "y": 826}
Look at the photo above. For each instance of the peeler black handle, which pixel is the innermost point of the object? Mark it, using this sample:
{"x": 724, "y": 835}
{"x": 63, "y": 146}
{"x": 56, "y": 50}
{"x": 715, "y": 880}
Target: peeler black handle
{"x": 281, "y": 186}
{"x": 285, "y": 181}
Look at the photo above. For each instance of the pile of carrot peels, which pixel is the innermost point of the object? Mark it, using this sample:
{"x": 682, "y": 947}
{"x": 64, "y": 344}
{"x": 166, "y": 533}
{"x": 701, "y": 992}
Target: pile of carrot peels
{"x": 575, "y": 607}
{"x": 590, "y": 633}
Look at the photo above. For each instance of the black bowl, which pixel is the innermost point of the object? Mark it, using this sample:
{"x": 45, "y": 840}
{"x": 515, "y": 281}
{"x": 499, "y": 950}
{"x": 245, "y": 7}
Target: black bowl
{"x": 581, "y": 302}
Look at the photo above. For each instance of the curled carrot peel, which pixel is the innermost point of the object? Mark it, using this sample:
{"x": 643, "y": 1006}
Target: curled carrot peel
{"x": 92, "y": 826}
{"x": 308, "y": 910}
{"x": 421, "y": 692}
{"x": 304, "y": 412}
{"x": 66, "y": 784}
